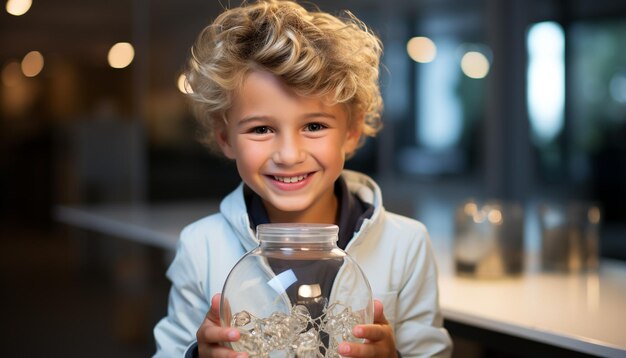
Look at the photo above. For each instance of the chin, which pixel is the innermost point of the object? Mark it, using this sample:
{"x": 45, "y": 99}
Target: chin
{"x": 290, "y": 206}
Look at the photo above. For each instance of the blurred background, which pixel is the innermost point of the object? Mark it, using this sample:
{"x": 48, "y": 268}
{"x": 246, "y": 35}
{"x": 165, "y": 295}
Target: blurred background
{"x": 509, "y": 100}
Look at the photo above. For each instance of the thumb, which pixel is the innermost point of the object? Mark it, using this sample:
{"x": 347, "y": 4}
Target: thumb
{"x": 379, "y": 315}
{"x": 214, "y": 311}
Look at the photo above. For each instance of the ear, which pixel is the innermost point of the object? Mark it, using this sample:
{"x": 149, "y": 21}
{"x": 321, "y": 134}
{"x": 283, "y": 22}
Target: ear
{"x": 221, "y": 137}
{"x": 354, "y": 134}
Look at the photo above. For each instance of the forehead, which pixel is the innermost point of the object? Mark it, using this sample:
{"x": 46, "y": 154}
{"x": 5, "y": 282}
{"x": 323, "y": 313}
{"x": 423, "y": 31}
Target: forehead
{"x": 262, "y": 93}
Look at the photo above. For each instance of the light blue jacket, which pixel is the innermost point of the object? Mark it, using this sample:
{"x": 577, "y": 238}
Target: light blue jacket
{"x": 393, "y": 251}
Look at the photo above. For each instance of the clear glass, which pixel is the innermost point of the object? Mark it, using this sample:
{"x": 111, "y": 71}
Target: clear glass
{"x": 569, "y": 236}
{"x": 489, "y": 239}
{"x": 296, "y": 294}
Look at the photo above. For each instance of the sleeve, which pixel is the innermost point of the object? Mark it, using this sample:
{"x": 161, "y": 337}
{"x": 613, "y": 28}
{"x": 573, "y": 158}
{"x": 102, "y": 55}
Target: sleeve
{"x": 175, "y": 334}
{"x": 419, "y": 328}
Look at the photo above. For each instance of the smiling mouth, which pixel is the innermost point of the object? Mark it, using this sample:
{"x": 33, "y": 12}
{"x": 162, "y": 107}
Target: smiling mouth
{"x": 289, "y": 180}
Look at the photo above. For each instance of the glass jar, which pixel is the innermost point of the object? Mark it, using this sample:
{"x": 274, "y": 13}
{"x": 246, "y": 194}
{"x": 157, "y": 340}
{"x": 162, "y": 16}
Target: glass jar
{"x": 296, "y": 294}
{"x": 489, "y": 239}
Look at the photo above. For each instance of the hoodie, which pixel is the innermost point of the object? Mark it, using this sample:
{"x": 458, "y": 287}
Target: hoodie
{"x": 393, "y": 251}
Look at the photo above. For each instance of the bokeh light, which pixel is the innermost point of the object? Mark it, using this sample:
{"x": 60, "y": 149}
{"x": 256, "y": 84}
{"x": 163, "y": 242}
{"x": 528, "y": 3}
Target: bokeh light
{"x": 12, "y": 74}
{"x": 470, "y": 208}
{"x": 495, "y": 216}
{"x": 475, "y": 64}
{"x": 121, "y": 55}
{"x": 594, "y": 215}
{"x": 421, "y": 49}
{"x": 183, "y": 85}
{"x": 545, "y": 91}
{"x": 32, "y": 64}
{"x": 18, "y": 7}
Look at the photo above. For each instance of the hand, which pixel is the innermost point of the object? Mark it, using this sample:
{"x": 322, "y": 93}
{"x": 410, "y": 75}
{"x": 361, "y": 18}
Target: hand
{"x": 211, "y": 335}
{"x": 379, "y": 339}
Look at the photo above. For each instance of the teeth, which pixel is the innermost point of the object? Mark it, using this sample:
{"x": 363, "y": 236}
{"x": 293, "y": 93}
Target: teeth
{"x": 290, "y": 179}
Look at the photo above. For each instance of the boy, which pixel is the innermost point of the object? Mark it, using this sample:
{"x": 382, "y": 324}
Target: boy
{"x": 288, "y": 94}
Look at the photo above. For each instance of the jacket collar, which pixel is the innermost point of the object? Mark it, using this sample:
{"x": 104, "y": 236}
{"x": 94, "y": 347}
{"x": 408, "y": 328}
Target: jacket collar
{"x": 352, "y": 211}
{"x": 233, "y": 207}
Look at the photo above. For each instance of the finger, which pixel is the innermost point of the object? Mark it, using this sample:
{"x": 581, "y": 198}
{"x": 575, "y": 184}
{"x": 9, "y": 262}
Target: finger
{"x": 371, "y": 332}
{"x": 216, "y": 334}
{"x": 379, "y": 315}
{"x": 214, "y": 311}
{"x": 219, "y": 352}
{"x": 356, "y": 350}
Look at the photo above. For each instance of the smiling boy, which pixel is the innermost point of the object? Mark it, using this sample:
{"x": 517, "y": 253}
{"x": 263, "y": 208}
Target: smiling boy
{"x": 288, "y": 94}
{"x": 289, "y": 149}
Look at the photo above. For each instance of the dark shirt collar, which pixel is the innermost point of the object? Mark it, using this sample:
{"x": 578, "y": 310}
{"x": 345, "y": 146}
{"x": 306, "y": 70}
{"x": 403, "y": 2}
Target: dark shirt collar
{"x": 352, "y": 211}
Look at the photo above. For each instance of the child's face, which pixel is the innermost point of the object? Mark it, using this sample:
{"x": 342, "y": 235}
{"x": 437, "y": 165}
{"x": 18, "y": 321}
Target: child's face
{"x": 288, "y": 148}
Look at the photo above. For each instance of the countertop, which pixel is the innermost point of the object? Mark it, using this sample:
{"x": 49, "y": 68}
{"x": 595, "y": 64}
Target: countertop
{"x": 584, "y": 312}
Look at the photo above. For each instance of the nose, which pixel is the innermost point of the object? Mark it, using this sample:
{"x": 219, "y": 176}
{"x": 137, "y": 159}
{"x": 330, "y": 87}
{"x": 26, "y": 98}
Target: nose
{"x": 289, "y": 151}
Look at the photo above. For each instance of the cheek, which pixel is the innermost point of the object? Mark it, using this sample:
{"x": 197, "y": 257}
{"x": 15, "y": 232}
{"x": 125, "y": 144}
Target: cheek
{"x": 249, "y": 157}
{"x": 247, "y": 169}
{"x": 333, "y": 154}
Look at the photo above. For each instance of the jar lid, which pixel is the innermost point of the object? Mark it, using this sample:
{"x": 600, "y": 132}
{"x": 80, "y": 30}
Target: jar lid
{"x": 297, "y": 233}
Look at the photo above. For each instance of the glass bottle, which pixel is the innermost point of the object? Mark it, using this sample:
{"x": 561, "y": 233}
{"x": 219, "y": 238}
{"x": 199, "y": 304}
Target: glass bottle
{"x": 296, "y": 294}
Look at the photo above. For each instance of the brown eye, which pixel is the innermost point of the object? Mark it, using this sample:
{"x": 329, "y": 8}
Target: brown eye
{"x": 314, "y": 127}
{"x": 260, "y": 130}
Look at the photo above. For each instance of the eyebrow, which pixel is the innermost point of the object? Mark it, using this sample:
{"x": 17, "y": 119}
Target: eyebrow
{"x": 320, "y": 114}
{"x": 253, "y": 118}
{"x": 245, "y": 120}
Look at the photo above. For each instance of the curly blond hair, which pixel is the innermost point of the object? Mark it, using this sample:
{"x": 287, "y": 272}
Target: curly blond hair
{"x": 312, "y": 52}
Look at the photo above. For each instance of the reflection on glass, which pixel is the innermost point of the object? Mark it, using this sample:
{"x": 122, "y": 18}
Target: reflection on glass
{"x": 310, "y": 291}
{"x": 282, "y": 281}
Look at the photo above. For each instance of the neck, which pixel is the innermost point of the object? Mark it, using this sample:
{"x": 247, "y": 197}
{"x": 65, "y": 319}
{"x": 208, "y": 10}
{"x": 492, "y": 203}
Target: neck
{"x": 324, "y": 212}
